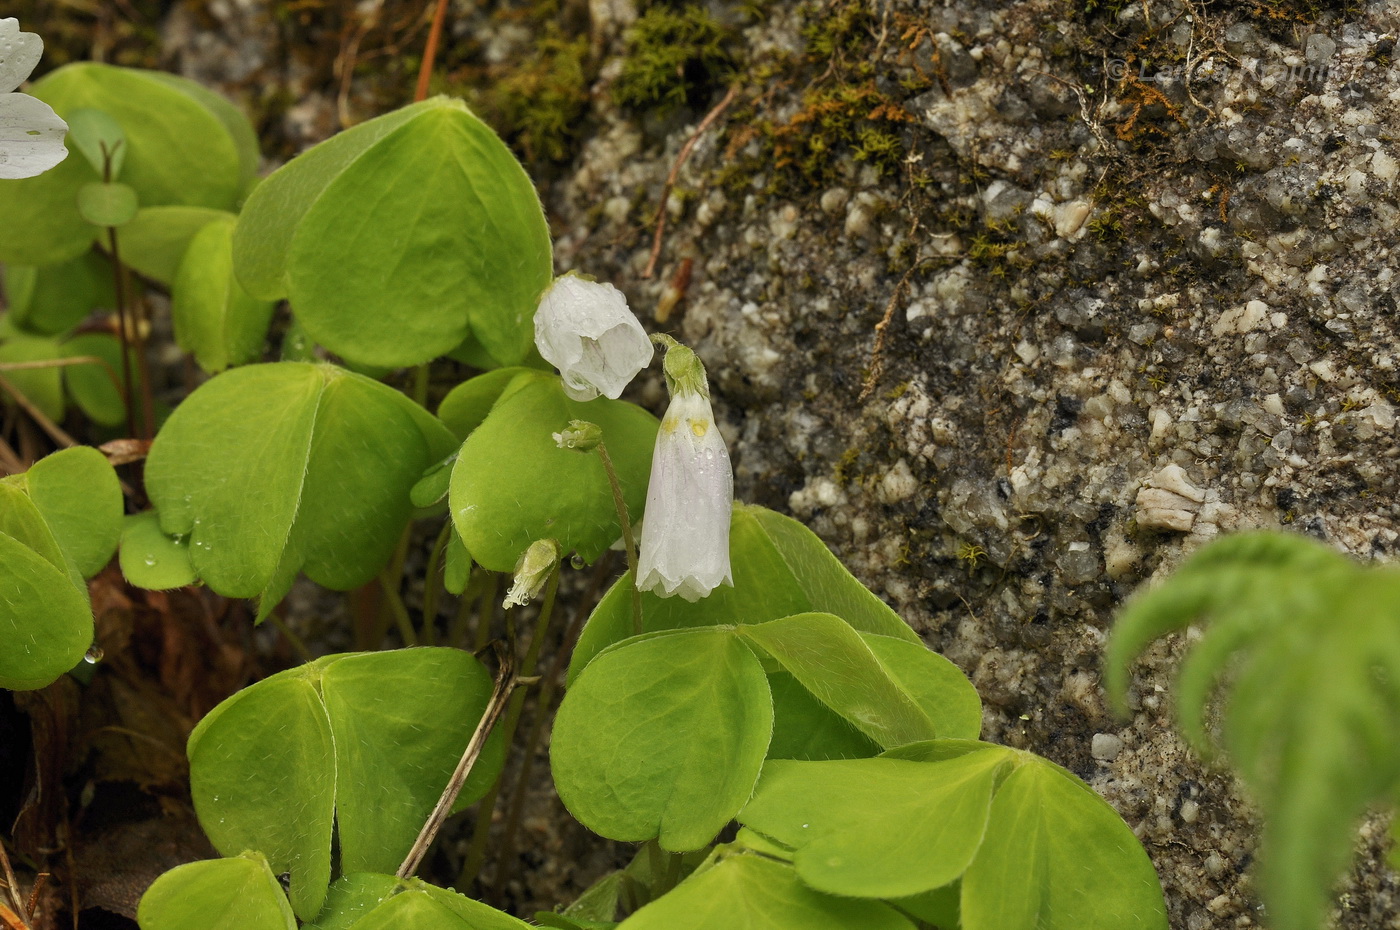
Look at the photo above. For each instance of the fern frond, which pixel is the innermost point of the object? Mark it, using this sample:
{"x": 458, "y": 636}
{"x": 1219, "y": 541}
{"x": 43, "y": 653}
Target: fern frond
{"x": 1311, "y": 644}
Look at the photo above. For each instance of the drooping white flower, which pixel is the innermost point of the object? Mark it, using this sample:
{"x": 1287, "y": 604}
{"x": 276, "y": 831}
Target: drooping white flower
{"x": 585, "y": 329}
{"x": 685, "y": 533}
{"x": 31, "y": 133}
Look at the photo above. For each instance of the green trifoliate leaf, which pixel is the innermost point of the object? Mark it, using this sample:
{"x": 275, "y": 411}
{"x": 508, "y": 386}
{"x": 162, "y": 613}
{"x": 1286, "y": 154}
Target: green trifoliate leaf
{"x": 746, "y": 890}
{"x": 365, "y": 742}
{"x": 465, "y": 407}
{"x": 240, "y": 893}
{"x": 512, "y": 484}
{"x": 399, "y": 238}
{"x": 286, "y": 467}
{"x": 663, "y": 738}
{"x": 780, "y": 568}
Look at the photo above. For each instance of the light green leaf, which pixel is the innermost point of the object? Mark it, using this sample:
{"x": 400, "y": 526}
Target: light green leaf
{"x": 1058, "y": 858}
{"x": 45, "y": 619}
{"x": 366, "y": 901}
{"x": 780, "y": 568}
{"x": 367, "y": 741}
{"x": 805, "y": 728}
{"x": 432, "y": 233}
{"x": 936, "y": 685}
{"x": 289, "y": 466}
{"x": 832, "y": 661}
{"x": 39, "y": 219}
{"x": 877, "y": 828}
{"x": 53, "y": 299}
{"x": 663, "y": 737}
{"x": 457, "y": 565}
{"x": 276, "y": 207}
{"x": 389, "y": 775}
{"x": 100, "y": 139}
{"x": 96, "y": 388}
{"x": 262, "y": 774}
{"x": 750, "y": 891}
{"x": 217, "y": 894}
{"x": 245, "y": 138}
{"x": 176, "y": 150}
{"x": 80, "y": 498}
{"x": 155, "y": 241}
{"x": 215, "y": 319}
{"x": 152, "y": 560}
{"x": 512, "y": 484}
{"x": 104, "y": 205}
{"x": 42, "y": 386}
{"x": 465, "y": 407}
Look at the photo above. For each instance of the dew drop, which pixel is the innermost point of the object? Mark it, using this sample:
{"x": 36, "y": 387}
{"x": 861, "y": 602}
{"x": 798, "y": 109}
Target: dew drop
{"x": 93, "y": 655}
{"x": 577, "y": 562}
{"x": 150, "y": 561}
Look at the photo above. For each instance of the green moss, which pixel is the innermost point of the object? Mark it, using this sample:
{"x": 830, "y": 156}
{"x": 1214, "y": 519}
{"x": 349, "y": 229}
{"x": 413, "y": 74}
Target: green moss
{"x": 540, "y": 104}
{"x": 674, "y": 58}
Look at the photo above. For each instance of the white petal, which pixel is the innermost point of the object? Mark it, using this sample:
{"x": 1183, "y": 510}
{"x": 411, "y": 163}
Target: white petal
{"x": 31, "y": 137}
{"x": 585, "y": 330}
{"x": 19, "y": 53}
{"x": 685, "y": 538}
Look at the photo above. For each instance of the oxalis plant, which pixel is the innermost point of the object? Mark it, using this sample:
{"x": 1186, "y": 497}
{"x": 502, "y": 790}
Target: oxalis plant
{"x": 781, "y": 745}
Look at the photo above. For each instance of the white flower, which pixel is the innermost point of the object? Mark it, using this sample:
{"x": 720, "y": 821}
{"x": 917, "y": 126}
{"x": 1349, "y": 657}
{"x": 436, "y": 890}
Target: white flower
{"x": 584, "y": 329}
{"x": 31, "y": 134}
{"x": 685, "y": 534}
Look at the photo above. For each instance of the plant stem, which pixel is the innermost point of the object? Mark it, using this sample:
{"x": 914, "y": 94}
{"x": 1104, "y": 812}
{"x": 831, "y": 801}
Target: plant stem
{"x": 420, "y": 385}
{"x": 486, "y": 612}
{"x": 390, "y": 585}
{"x": 477, "y": 853}
{"x": 425, "y": 71}
{"x": 432, "y": 585}
{"x": 628, "y": 539}
{"x": 549, "y": 683}
{"x": 506, "y": 681}
{"x": 133, "y": 342}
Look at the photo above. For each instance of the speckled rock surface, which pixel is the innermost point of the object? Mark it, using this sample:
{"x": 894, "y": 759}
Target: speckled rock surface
{"x": 1015, "y": 304}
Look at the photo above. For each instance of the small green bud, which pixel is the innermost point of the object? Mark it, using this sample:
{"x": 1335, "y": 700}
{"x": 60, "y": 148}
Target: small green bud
{"x": 685, "y": 373}
{"x": 579, "y": 435}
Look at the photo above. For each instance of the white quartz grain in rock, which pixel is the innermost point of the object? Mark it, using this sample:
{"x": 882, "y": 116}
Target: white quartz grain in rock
{"x": 1105, "y": 747}
{"x": 1241, "y": 319}
{"x": 898, "y": 483}
{"x": 1385, "y": 166}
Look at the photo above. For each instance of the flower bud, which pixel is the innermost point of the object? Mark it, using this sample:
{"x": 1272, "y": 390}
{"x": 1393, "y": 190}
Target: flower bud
{"x": 579, "y": 435}
{"x": 532, "y": 571}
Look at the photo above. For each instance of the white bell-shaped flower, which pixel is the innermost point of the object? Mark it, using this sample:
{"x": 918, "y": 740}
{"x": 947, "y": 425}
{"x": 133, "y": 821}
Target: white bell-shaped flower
{"x": 685, "y": 531}
{"x": 31, "y": 133}
{"x": 585, "y": 329}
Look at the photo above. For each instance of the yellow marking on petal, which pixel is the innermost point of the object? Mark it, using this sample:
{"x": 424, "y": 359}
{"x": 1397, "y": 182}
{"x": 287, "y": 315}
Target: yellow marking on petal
{"x": 699, "y": 428}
